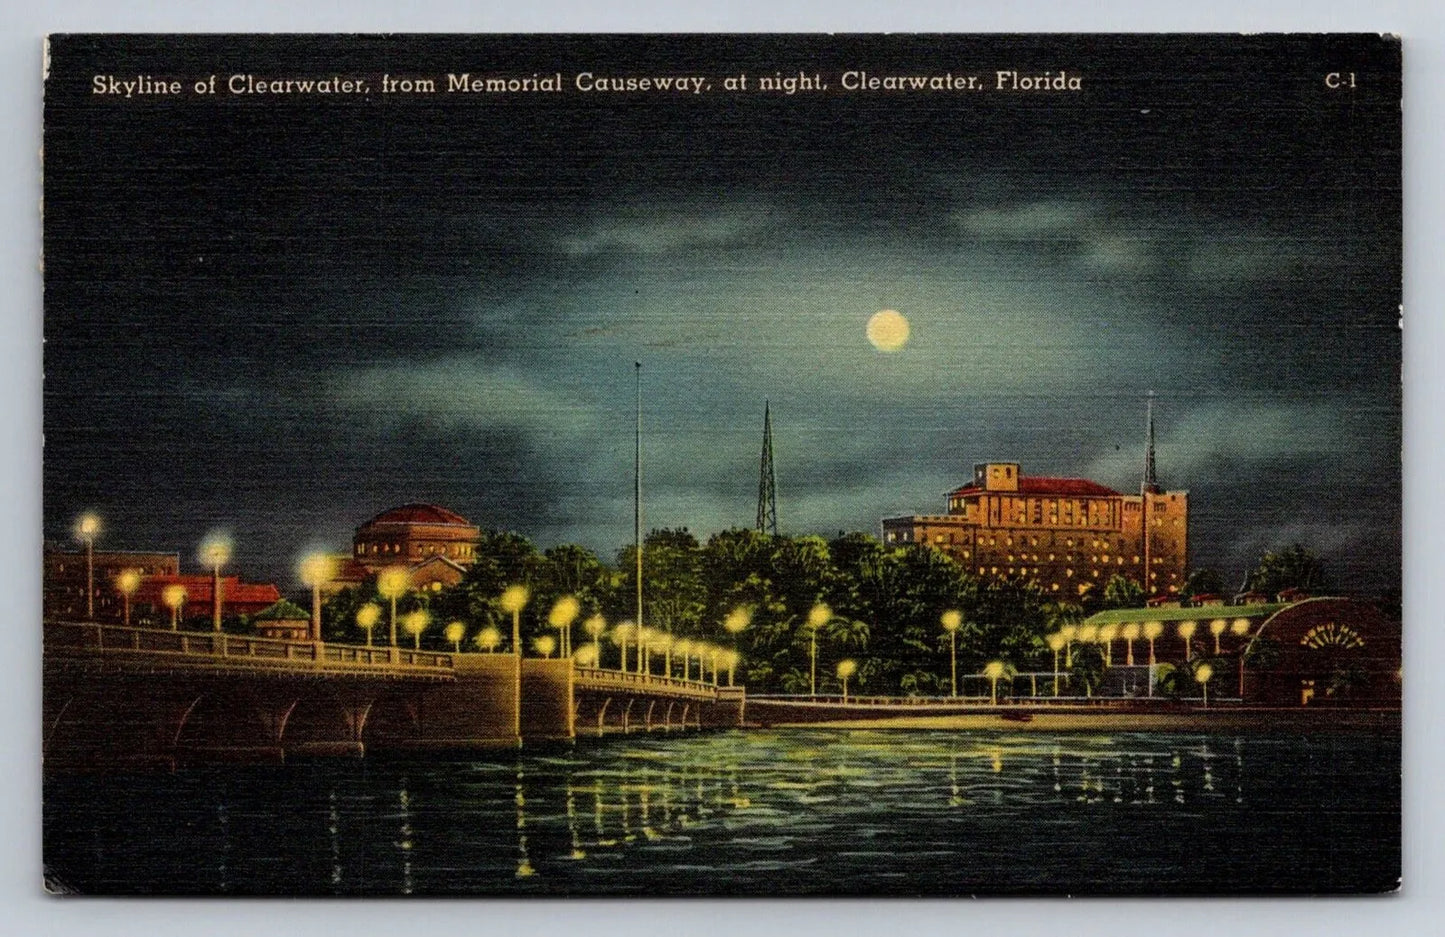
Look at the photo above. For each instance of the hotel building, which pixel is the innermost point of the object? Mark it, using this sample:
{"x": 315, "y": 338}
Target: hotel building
{"x": 1068, "y": 535}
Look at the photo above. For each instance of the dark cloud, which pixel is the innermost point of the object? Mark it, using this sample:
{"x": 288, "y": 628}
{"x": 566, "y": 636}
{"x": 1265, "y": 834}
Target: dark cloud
{"x": 283, "y": 317}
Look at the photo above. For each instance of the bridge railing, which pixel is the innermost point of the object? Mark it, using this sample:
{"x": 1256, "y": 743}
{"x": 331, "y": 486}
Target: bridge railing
{"x": 119, "y": 638}
{"x": 623, "y": 678}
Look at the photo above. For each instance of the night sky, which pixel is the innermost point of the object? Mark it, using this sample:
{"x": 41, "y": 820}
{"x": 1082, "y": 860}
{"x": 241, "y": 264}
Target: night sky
{"x": 282, "y": 315}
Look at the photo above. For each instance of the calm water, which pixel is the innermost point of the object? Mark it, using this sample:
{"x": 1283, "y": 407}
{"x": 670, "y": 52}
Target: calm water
{"x": 758, "y": 812}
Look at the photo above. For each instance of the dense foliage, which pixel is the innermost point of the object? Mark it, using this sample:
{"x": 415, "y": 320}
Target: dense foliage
{"x": 883, "y": 604}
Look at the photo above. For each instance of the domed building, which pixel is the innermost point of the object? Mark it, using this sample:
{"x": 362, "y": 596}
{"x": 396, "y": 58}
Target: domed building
{"x": 434, "y": 544}
{"x": 412, "y": 534}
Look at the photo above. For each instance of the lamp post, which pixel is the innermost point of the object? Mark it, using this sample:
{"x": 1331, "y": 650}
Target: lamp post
{"x": 1151, "y": 630}
{"x": 951, "y": 620}
{"x": 488, "y": 639}
{"x": 564, "y": 612}
{"x": 415, "y": 623}
{"x": 1107, "y": 633}
{"x": 993, "y": 670}
{"x": 644, "y": 650}
{"x": 174, "y": 597}
{"x": 392, "y": 584}
{"x": 1217, "y": 627}
{"x": 731, "y": 662}
{"x": 454, "y": 633}
{"x": 1056, "y": 644}
{"x": 684, "y": 650}
{"x": 714, "y": 652}
{"x": 1069, "y": 632}
{"x": 316, "y": 570}
{"x": 1202, "y": 673}
{"x": 1130, "y": 634}
{"x": 1186, "y": 631}
{"x": 622, "y": 634}
{"x": 126, "y": 582}
{"x": 664, "y": 644}
{"x": 595, "y": 626}
{"x": 87, "y": 528}
{"x": 545, "y": 645}
{"x": 366, "y": 618}
{"x": 734, "y": 623}
{"x": 846, "y": 669}
{"x": 1240, "y": 629}
{"x": 514, "y": 599}
{"x": 215, "y": 553}
{"x": 818, "y": 616}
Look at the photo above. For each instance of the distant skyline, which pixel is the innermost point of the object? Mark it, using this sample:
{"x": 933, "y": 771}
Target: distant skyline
{"x": 280, "y": 318}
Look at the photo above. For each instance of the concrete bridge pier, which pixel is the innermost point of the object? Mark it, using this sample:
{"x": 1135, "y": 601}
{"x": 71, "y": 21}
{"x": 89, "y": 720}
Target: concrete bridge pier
{"x": 476, "y": 711}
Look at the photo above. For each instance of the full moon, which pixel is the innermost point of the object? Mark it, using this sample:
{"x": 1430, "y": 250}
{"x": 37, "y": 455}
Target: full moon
{"x": 888, "y": 330}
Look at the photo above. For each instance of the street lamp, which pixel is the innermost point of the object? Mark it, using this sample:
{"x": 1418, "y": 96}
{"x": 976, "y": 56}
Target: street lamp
{"x": 174, "y": 596}
{"x": 366, "y": 618}
{"x": 622, "y": 634}
{"x": 1202, "y": 673}
{"x": 730, "y": 661}
{"x": 316, "y": 570}
{"x": 415, "y": 623}
{"x": 564, "y": 612}
{"x": 488, "y": 638}
{"x": 1217, "y": 627}
{"x": 684, "y": 650}
{"x": 454, "y": 633}
{"x": 1186, "y": 631}
{"x": 126, "y": 582}
{"x": 664, "y": 644}
{"x": 1130, "y": 634}
{"x": 846, "y": 669}
{"x": 818, "y": 616}
{"x": 1069, "y": 632}
{"x": 595, "y": 626}
{"x": 215, "y": 553}
{"x": 645, "y": 637}
{"x": 514, "y": 599}
{"x": 1151, "y": 631}
{"x": 1107, "y": 633}
{"x": 1240, "y": 629}
{"x": 87, "y": 528}
{"x": 734, "y": 623}
{"x": 951, "y": 620}
{"x": 392, "y": 584}
{"x": 545, "y": 645}
{"x": 714, "y": 652}
{"x": 993, "y": 670}
{"x": 1056, "y": 644}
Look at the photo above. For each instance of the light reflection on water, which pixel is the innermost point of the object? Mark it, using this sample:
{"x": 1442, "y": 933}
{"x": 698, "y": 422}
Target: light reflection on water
{"x": 759, "y": 812}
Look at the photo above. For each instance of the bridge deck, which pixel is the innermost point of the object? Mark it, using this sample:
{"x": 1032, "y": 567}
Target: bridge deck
{"x": 154, "y": 650}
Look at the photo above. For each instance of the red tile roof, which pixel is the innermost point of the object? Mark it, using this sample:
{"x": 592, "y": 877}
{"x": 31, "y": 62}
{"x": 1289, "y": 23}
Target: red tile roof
{"x": 1037, "y": 485}
{"x": 234, "y": 593}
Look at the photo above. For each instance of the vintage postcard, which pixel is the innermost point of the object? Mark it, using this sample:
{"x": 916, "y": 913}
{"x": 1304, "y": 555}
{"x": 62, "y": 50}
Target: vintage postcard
{"x": 765, "y": 465}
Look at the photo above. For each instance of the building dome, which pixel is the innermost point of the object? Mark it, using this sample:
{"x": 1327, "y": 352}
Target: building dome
{"x": 413, "y": 534}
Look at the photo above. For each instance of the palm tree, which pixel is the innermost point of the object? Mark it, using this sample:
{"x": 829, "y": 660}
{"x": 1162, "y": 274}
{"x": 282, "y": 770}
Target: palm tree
{"x": 848, "y": 633}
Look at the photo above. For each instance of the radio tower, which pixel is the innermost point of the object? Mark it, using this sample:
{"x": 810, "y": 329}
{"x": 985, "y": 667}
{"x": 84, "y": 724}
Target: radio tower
{"x": 767, "y": 480}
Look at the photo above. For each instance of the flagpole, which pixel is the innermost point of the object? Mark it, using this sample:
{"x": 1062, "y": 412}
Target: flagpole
{"x": 637, "y": 499}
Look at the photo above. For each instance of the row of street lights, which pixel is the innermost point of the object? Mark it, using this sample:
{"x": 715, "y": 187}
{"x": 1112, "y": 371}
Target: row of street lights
{"x": 394, "y": 582}
{"x": 215, "y": 552}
